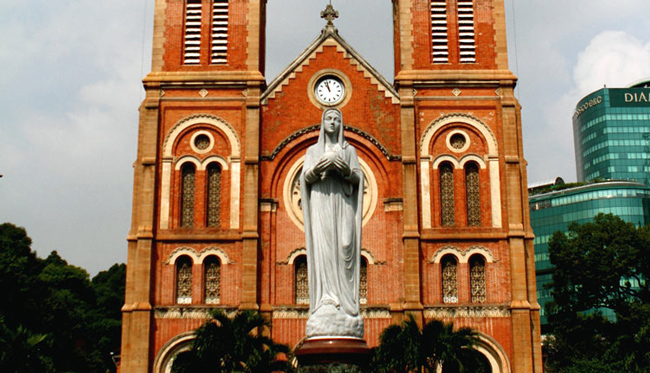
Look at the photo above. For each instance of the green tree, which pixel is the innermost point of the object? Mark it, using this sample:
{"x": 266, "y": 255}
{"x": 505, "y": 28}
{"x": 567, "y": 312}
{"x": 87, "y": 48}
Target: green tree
{"x": 600, "y": 306}
{"x": 235, "y": 344}
{"x": 106, "y": 326}
{"x": 53, "y": 318}
{"x": 22, "y": 350}
{"x": 66, "y": 307}
{"x": 405, "y": 348}
{"x": 19, "y": 268}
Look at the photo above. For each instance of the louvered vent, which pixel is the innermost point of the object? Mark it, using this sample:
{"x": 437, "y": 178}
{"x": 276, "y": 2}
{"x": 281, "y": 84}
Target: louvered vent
{"x": 439, "y": 40}
{"x": 192, "y": 53}
{"x": 219, "y": 31}
{"x": 466, "y": 37}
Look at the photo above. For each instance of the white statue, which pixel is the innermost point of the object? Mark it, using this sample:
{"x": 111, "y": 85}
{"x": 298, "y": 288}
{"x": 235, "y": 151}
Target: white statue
{"x": 332, "y": 203}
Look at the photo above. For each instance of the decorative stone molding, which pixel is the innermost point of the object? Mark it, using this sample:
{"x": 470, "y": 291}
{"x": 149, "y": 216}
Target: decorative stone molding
{"x": 195, "y": 312}
{"x": 436, "y": 125}
{"x": 330, "y": 39}
{"x": 489, "y": 161}
{"x": 234, "y": 160}
{"x": 281, "y": 313}
{"x": 198, "y": 258}
{"x": 462, "y": 255}
{"x": 466, "y": 312}
{"x": 316, "y": 127}
{"x": 209, "y": 119}
{"x": 293, "y": 255}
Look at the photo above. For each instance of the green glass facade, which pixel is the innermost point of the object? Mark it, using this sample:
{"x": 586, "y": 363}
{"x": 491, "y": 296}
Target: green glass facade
{"x": 553, "y": 211}
{"x": 611, "y": 130}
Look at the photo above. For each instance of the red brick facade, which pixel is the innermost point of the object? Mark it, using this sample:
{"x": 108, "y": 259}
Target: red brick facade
{"x": 442, "y": 154}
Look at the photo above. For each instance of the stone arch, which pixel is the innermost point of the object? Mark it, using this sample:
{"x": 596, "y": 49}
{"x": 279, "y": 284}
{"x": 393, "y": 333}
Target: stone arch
{"x": 494, "y": 353}
{"x": 462, "y": 256}
{"x": 472, "y": 158}
{"x": 446, "y": 158}
{"x": 447, "y": 250}
{"x": 438, "y": 124}
{"x": 188, "y": 159}
{"x": 183, "y": 251}
{"x": 234, "y": 159}
{"x": 169, "y": 351}
{"x": 368, "y": 255}
{"x": 214, "y": 158}
{"x": 480, "y": 250}
{"x": 295, "y": 254}
{"x": 211, "y": 120}
{"x": 427, "y": 161}
{"x": 219, "y": 253}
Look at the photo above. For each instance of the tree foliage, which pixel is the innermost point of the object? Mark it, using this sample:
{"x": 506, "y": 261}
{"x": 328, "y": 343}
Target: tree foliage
{"x": 405, "y": 348}
{"x": 601, "y": 305}
{"x": 53, "y": 318}
{"x": 223, "y": 344}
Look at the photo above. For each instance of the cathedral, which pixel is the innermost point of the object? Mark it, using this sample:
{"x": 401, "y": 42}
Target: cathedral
{"x": 217, "y": 219}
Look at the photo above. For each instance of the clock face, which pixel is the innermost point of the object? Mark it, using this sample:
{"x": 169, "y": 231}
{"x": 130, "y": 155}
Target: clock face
{"x": 330, "y": 90}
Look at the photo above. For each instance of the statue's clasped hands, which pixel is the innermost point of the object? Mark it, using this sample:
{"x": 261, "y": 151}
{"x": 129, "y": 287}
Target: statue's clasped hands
{"x": 332, "y": 160}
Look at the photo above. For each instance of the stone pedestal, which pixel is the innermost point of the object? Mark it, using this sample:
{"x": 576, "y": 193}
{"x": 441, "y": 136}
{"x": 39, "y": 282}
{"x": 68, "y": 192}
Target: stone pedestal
{"x": 333, "y": 354}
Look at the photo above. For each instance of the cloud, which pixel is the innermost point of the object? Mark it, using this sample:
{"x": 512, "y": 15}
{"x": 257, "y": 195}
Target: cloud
{"x": 612, "y": 58}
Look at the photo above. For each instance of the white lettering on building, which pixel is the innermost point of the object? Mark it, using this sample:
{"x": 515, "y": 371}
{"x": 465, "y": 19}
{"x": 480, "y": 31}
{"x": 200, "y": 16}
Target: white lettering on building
{"x": 587, "y": 105}
{"x": 637, "y": 97}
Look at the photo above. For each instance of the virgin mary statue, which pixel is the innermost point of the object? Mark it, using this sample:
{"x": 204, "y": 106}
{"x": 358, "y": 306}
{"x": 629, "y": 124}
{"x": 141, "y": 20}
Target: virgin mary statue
{"x": 332, "y": 203}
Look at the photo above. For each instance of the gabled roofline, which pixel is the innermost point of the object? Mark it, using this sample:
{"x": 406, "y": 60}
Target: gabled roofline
{"x": 327, "y": 33}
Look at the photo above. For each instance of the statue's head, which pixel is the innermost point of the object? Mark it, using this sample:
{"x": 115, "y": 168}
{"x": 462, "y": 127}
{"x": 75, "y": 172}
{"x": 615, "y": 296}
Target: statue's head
{"x": 331, "y": 121}
{"x": 332, "y": 124}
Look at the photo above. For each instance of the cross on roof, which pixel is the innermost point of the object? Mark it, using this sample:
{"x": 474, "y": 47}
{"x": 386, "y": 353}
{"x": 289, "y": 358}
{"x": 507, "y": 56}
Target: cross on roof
{"x": 329, "y": 14}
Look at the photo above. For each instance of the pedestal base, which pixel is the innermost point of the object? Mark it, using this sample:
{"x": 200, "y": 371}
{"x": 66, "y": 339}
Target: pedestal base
{"x": 333, "y": 355}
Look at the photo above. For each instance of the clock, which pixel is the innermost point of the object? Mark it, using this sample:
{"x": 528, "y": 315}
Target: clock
{"x": 329, "y": 90}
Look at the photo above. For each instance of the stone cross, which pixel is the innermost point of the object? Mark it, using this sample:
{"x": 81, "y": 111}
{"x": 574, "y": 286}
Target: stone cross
{"x": 329, "y": 14}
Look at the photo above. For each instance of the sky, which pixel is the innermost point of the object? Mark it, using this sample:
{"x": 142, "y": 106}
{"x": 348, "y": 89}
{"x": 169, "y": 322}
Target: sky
{"x": 71, "y": 86}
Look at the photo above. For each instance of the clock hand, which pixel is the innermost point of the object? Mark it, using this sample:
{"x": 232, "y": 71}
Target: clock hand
{"x": 327, "y": 84}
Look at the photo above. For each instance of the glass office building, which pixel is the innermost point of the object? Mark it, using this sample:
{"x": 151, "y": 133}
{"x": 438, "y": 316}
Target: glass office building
{"x": 552, "y": 208}
{"x": 611, "y": 132}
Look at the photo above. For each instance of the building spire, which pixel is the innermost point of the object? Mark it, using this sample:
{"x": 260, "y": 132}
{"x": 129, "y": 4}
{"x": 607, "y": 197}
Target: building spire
{"x": 329, "y": 14}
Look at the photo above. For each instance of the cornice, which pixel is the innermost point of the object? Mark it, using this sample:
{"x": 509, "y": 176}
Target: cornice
{"x": 202, "y": 77}
{"x": 456, "y": 76}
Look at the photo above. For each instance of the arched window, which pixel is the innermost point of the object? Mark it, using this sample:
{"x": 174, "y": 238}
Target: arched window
{"x": 472, "y": 188}
{"x": 211, "y": 279}
{"x": 447, "y": 195}
{"x": 301, "y": 280}
{"x": 184, "y": 280}
{"x": 477, "y": 278}
{"x": 188, "y": 177}
{"x": 363, "y": 281}
{"x": 213, "y": 204}
{"x": 449, "y": 267}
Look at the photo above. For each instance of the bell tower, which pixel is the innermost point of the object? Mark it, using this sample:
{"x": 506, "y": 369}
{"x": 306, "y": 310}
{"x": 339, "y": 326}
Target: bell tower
{"x": 195, "y": 176}
{"x": 464, "y": 167}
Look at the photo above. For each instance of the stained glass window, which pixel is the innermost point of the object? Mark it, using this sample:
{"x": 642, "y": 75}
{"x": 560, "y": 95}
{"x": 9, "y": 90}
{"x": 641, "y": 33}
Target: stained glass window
{"x": 449, "y": 280}
{"x": 447, "y": 194}
{"x": 187, "y": 195}
{"x": 214, "y": 195}
{"x": 477, "y": 278}
{"x": 473, "y": 195}
{"x": 211, "y": 280}
{"x": 301, "y": 281}
{"x": 184, "y": 280}
{"x": 363, "y": 281}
